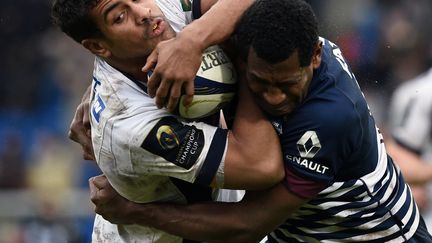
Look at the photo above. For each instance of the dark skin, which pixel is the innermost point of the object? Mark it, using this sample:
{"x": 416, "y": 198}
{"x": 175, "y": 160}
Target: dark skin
{"x": 178, "y": 59}
{"x": 247, "y": 221}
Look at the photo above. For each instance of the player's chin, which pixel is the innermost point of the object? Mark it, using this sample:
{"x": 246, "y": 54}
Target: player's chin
{"x": 277, "y": 110}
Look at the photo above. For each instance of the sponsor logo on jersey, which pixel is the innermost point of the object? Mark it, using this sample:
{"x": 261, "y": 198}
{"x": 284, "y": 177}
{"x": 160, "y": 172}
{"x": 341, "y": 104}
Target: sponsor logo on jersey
{"x": 97, "y": 108}
{"x": 278, "y": 127}
{"x": 308, "y": 164}
{"x": 186, "y": 5}
{"x": 177, "y": 143}
{"x": 308, "y": 145}
{"x": 166, "y": 137}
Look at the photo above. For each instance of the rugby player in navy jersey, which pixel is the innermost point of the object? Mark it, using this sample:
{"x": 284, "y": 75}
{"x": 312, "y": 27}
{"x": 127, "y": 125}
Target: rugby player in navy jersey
{"x": 340, "y": 185}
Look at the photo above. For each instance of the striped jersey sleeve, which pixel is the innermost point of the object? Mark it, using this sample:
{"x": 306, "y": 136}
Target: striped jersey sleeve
{"x": 377, "y": 207}
{"x": 332, "y": 140}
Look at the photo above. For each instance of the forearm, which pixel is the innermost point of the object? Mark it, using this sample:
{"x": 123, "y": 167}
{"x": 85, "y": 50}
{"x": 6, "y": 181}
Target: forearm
{"x": 217, "y": 24}
{"x": 210, "y": 222}
{"x": 414, "y": 169}
{"x": 415, "y": 172}
{"x": 247, "y": 221}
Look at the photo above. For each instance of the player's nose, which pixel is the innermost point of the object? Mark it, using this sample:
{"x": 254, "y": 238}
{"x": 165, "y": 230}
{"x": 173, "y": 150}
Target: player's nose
{"x": 142, "y": 14}
{"x": 274, "y": 96}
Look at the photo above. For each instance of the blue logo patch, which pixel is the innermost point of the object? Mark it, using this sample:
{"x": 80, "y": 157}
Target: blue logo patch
{"x": 98, "y": 107}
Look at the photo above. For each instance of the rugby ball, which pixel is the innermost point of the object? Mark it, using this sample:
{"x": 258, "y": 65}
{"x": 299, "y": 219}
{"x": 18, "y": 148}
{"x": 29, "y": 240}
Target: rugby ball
{"x": 215, "y": 85}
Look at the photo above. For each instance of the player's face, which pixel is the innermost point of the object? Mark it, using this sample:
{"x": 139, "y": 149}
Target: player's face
{"x": 279, "y": 88}
{"x": 131, "y": 28}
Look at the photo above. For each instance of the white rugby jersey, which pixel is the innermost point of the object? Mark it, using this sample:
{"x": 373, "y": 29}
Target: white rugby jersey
{"x": 411, "y": 115}
{"x": 411, "y": 123}
{"x": 145, "y": 152}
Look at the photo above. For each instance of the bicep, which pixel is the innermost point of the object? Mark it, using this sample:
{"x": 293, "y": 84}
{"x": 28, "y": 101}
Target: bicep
{"x": 254, "y": 157}
{"x": 252, "y": 169}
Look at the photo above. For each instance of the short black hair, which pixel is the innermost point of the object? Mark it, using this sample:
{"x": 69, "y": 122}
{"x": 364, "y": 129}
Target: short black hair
{"x": 276, "y": 28}
{"x": 73, "y": 18}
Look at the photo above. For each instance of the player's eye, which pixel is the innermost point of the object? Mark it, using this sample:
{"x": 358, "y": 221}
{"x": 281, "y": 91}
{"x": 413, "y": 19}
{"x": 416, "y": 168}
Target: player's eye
{"x": 119, "y": 18}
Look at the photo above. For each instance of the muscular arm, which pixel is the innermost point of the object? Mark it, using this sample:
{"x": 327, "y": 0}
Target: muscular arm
{"x": 246, "y": 221}
{"x": 217, "y": 23}
{"x": 178, "y": 59}
{"x": 254, "y": 157}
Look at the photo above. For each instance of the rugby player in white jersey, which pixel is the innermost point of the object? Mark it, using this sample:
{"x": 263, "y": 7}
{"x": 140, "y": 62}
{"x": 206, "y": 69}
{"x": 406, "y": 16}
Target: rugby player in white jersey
{"x": 146, "y": 153}
{"x": 410, "y": 120}
{"x": 340, "y": 185}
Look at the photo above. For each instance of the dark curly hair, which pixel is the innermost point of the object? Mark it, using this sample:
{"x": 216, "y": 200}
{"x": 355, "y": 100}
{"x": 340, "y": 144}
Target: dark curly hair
{"x": 73, "y": 18}
{"x": 276, "y": 28}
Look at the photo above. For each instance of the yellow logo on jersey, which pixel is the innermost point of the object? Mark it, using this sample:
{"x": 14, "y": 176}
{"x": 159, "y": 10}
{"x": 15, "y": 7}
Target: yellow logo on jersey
{"x": 166, "y": 137}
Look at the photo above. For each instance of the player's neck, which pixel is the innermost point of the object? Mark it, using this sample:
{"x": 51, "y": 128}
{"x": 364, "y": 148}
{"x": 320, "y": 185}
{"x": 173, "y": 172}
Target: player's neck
{"x": 130, "y": 67}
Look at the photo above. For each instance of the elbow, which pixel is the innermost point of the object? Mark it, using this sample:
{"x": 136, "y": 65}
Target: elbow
{"x": 268, "y": 174}
{"x": 275, "y": 175}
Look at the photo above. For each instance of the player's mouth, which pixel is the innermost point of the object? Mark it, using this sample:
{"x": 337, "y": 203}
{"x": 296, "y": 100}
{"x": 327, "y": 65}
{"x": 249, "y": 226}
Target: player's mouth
{"x": 277, "y": 110}
{"x": 157, "y": 26}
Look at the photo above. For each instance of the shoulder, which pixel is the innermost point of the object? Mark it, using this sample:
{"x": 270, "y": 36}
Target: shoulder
{"x": 412, "y": 98}
{"x": 335, "y": 115}
{"x": 119, "y": 103}
{"x": 113, "y": 85}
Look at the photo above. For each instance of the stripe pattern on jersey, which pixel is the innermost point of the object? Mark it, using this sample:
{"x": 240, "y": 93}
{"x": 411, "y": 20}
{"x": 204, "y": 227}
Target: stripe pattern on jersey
{"x": 384, "y": 210}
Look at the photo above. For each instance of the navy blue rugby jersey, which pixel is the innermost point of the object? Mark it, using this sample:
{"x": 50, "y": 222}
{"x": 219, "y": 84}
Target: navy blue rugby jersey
{"x": 334, "y": 155}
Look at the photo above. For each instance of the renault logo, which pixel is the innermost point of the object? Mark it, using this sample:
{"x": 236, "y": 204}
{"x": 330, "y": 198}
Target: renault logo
{"x": 308, "y": 145}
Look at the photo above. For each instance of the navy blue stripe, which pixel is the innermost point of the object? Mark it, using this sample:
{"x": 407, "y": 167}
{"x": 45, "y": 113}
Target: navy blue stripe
{"x": 203, "y": 86}
{"x": 196, "y": 9}
{"x": 213, "y": 159}
{"x": 97, "y": 82}
{"x": 140, "y": 84}
{"x": 380, "y": 184}
{"x": 341, "y": 233}
{"x": 193, "y": 192}
{"x": 347, "y": 184}
{"x": 352, "y": 194}
{"x": 204, "y": 82}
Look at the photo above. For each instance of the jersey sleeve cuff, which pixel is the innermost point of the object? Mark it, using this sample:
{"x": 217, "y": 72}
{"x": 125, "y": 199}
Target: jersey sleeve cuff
{"x": 214, "y": 158}
{"x": 196, "y": 9}
{"x": 305, "y": 189}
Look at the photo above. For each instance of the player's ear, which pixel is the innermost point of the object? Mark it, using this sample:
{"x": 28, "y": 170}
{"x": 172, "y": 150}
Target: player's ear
{"x": 316, "y": 58}
{"x": 96, "y": 47}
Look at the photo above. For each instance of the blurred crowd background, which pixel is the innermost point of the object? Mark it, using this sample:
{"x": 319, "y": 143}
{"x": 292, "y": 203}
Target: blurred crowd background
{"x": 43, "y": 178}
